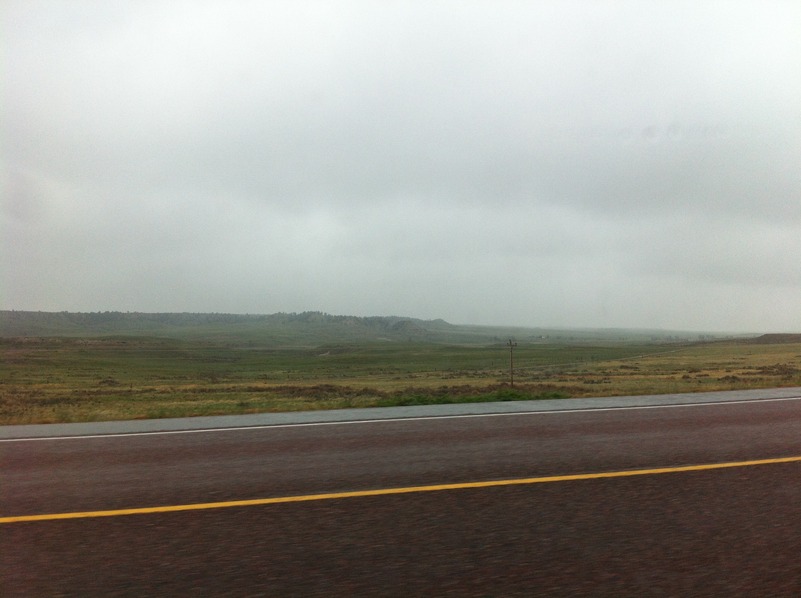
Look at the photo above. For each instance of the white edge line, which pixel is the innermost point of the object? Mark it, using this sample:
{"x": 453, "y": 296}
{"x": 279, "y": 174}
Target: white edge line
{"x": 393, "y": 420}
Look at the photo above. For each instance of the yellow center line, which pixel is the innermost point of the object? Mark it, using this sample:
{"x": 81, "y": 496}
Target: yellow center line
{"x": 390, "y": 491}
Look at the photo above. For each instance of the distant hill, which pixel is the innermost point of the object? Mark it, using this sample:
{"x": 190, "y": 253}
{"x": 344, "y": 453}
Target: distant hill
{"x": 283, "y": 328}
{"x": 311, "y": 328}
{"x": 775, "y": 338}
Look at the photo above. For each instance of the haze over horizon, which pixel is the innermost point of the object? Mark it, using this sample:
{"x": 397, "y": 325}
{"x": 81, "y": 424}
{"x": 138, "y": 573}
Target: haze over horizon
{"x": 610, "y": 164}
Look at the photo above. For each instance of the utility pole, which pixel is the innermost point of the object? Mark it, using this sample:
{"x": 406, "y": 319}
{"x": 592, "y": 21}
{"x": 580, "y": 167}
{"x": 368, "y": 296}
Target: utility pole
{"x": 511, "y": 346}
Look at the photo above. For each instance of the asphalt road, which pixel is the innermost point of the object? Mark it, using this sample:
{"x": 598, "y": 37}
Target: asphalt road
{"x": 710, "y": 532}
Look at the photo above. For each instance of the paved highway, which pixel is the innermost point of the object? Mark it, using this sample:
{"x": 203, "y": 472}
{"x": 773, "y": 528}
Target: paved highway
{"x": 663, "y": 500}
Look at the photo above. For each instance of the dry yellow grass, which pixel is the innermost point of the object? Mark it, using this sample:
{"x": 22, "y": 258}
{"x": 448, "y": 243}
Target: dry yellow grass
{"x": 55, "y": 381}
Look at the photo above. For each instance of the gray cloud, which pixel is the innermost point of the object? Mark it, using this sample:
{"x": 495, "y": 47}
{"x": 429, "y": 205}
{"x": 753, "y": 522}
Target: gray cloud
{"x": 546, "y": 163}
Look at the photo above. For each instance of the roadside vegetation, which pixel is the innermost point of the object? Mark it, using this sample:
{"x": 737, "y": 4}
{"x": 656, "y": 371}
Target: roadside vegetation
{"x": 68, "y": 379}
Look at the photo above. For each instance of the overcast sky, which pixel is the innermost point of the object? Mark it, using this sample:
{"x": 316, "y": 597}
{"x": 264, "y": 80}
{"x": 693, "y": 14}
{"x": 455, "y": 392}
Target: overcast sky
{"x": 587, "y": 163}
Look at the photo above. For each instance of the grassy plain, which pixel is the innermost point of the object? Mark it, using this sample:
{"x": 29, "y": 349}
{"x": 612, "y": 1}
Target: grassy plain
{"x": 60, "y": 379}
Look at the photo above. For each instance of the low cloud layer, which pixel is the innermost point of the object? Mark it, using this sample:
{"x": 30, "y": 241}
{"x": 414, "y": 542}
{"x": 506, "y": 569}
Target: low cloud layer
{"x": 536, "y": 163}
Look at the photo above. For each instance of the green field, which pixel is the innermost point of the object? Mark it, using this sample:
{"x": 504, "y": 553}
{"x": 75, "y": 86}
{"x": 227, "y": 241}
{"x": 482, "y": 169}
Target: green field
{"x": 94, "y": 378}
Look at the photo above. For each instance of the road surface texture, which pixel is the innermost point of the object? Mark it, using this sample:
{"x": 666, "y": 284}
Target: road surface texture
{"x": 593, "y": 502}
